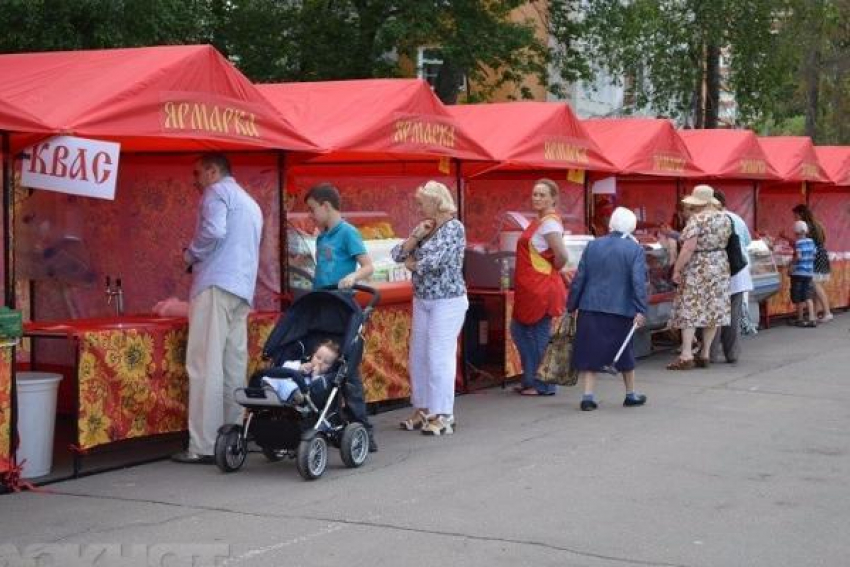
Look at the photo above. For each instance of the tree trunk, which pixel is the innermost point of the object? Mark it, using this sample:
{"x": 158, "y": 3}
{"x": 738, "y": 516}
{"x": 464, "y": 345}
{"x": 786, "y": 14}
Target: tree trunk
{"x": 811, "y": 78}
{"x": 712, "y": 86}
{"x": 448, "y": 82}
{"x": 699, "y": 95}
{"x": 841, "y": 134}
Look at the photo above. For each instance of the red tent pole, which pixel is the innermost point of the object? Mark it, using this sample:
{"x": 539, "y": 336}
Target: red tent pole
{"x": 8, "y": 223}
{"x": 756, "y": 186}
{"x": 464, "y": 370}
{"x": 460, "y": 190}
{"x": 283, "y": 250}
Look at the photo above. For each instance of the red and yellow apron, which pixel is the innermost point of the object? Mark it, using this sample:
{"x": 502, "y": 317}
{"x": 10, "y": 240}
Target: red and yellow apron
{"x": 539, "y": 289}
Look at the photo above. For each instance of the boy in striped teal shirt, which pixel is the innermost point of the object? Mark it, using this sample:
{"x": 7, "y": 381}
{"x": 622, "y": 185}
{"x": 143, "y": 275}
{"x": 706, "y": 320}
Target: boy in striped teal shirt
{"x": 802, "y": 271}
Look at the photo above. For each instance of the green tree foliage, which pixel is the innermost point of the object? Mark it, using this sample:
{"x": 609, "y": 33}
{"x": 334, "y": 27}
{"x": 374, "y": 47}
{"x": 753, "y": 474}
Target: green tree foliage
{"x": 671, "y": 49}
{"x": 49, "y": 25}
{"x": 817, "y": 36}
{"x": 287, "y": 40}
{"x": 319, "y": 40}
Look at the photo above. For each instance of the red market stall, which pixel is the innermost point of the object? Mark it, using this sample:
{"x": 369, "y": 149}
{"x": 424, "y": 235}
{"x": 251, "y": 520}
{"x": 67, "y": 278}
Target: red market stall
{"x": 652, "y": 163}
{"x": 830, "y": 203}
{"x": 733, "y": 161}
{"x": 794, "y": 158}
{"x": 385, "y": 137}
{"x": 651, "y": 160}
{"x": 529, "y": 140}
{"x": 123, "y": 374}
{"x": 11, "y": 118}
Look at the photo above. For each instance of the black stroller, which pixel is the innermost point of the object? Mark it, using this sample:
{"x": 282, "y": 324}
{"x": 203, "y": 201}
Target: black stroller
{"x": 303, "y": 429}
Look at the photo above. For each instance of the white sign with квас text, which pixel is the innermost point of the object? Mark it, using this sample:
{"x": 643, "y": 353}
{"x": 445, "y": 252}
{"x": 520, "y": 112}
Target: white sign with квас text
{"x": 72, "y": 165}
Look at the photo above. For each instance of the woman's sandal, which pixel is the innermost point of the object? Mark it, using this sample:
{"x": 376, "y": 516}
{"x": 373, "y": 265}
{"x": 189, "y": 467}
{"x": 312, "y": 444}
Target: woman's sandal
{"x": 414, "y": 422}
{"x": 701, "y": 362}
{"x": 530, "y": 391}
{"x": 680, "y": 364}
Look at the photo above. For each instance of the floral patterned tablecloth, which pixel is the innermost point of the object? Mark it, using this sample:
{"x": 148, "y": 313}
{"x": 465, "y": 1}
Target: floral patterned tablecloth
{"x": 132, "y": 380}
{"x": 837, "y": 289}
{"x": 5, "y": 408}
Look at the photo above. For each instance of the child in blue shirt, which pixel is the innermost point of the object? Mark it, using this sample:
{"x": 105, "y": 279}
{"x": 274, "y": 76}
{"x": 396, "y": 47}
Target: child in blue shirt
{"x": 339, "y": 252}
{"x": 802, "y": 271}
{"x": 339, "y": 246}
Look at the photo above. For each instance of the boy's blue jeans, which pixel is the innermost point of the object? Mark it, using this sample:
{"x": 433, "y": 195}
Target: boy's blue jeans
{"x": 531, "y": 342}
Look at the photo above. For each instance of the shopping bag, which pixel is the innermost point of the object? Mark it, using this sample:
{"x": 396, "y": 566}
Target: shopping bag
{"x": 556, "y": 366}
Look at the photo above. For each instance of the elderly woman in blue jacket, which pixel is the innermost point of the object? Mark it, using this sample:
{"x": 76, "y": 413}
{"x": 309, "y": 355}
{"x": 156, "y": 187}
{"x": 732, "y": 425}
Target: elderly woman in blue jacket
{"x": 609, "y": 292}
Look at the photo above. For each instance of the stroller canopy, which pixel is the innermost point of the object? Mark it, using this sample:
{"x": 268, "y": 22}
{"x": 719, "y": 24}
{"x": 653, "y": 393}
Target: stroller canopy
{"x": 316, "y": 315}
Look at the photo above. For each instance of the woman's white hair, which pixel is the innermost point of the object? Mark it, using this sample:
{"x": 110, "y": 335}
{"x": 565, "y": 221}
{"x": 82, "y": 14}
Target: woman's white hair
{"x": 623, "y": 220}
{"x": 440, "y": 194}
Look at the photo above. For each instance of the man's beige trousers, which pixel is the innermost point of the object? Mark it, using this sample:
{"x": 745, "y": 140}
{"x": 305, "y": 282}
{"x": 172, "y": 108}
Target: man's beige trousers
{"x": 217, "y": 363}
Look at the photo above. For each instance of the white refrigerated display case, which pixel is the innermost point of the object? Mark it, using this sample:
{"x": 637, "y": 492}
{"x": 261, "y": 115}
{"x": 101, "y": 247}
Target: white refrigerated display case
{"x": 766, "y": 278}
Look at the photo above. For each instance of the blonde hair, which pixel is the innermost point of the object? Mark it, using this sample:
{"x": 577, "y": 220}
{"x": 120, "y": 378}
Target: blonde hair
{"x": 554, "y": 190}
{"x": 440, "y": 194}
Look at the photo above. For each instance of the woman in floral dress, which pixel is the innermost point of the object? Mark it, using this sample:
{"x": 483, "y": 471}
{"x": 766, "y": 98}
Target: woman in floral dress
{"x": 702, "y": 275}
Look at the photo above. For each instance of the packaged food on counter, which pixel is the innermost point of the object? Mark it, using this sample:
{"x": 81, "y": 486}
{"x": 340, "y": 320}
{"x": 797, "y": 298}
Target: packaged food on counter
{"x": 378, "y": 236}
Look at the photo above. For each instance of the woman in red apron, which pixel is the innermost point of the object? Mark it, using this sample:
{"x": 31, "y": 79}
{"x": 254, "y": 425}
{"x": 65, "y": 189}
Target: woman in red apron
{"x": 539, "y": 290}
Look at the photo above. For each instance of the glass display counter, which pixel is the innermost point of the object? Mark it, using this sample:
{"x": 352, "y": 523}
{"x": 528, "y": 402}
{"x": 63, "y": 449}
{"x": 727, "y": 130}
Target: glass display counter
{"x": 764, "y": 271}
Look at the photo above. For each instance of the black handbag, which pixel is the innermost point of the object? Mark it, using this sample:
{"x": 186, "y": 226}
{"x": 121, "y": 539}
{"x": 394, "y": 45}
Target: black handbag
{"x": 821, "y": 260}
{"x": 737, "y": 260}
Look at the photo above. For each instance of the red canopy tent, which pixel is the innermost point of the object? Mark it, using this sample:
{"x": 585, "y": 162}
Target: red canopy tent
{"x": 794, "y": 158}
{"x": 732, "y": 161}
{"x": 385, "y": 137}
{"x": 651, "y": 160}
{"x": 835, "y": 161}
{"x": 830, "y": 203}
{"x": 531, "y": 135}
{"x": 170, "y": 98}
{"x": 528, "y": 140}
{"x": 153, "y": 101}
{"x": 16, "y": 119}
{"x": 373, "y": 120}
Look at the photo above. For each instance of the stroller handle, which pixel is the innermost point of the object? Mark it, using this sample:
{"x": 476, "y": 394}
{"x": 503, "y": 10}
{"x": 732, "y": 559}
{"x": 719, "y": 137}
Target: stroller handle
{"x": 376, "y": 295}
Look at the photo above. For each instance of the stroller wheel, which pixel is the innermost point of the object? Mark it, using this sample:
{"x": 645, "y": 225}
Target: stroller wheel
{"x": 230, "y": 449}
{"x": 355, "y": 445}
{"x": 312, "y": 457}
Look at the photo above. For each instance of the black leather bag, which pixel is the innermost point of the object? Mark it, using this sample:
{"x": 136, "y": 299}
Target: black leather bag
{"x": 737, "y": 260}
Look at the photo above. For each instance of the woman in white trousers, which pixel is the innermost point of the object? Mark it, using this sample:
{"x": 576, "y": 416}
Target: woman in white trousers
{"x": 434, "y": 254}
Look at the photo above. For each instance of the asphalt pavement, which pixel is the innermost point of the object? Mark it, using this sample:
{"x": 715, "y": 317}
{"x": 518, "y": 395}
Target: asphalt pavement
{"x": 734, "y": 465}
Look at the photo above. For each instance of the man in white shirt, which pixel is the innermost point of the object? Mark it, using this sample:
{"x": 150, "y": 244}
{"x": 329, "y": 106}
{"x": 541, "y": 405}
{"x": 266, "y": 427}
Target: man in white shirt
{"x": 224, "y": 257}
{"x": 728, "y": 341}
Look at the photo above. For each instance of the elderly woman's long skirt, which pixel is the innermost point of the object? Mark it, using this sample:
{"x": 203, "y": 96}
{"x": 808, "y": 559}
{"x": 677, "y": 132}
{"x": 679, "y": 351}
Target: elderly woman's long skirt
{"x": 598, "y": 338}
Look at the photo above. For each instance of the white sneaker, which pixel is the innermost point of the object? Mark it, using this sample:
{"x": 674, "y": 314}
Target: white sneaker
{"x": 826, "y": 318}
{"x": 439, "y": 425}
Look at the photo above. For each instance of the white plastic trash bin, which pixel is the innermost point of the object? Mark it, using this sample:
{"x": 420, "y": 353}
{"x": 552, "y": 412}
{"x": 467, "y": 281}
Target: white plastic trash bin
{"x": 36, "y": 420}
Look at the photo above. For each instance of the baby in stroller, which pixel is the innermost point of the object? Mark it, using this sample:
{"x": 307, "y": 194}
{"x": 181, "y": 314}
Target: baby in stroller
{"x": 298, "y": 410}
{"x": 316, "y": 369}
